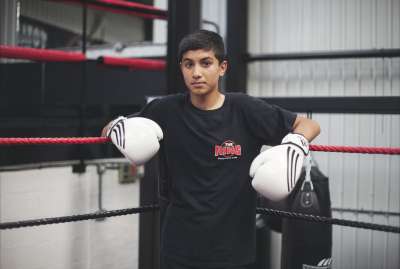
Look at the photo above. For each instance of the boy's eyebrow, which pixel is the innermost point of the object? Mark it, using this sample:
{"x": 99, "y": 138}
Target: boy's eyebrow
{"x": 202, "y": 59}
{"x": 206, "y": 58}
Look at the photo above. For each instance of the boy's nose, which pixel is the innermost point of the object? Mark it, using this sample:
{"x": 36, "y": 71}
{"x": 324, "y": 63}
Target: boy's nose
{"x": 196, "y": 72}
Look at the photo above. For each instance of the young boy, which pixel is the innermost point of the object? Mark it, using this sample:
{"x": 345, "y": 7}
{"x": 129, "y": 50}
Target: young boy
{"x": 209, "y": 140}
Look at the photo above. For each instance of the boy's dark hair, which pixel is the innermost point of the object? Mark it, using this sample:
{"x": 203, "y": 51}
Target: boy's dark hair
{"x": 203, "y": 39}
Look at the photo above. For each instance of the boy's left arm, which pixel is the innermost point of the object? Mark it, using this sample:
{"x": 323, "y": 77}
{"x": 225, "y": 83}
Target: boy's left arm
{"x": 275, "y": 171}
{"x": 306, "y": 127}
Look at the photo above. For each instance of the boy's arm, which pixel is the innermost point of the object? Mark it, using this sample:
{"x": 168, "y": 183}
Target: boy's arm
{"x": 306, "y": 127}
{"x": 275, "y": 171}
{"x": 104, "y": 131}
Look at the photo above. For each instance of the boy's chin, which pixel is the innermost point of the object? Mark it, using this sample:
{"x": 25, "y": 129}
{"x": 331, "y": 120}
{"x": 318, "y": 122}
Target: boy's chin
{"x": 200, "y": 91}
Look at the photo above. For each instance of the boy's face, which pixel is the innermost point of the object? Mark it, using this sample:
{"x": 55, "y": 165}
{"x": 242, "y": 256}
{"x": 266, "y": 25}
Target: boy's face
{"x": 201, "y": 71}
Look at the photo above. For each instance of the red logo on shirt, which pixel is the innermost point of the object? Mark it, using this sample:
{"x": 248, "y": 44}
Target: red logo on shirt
{"x": 227, "y": 150}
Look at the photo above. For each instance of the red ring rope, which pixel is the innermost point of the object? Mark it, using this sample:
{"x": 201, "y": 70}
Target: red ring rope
{"x": 52, "y": 140}
{"x": 348, "y": 149}
{"x": 101, "y": 140}
{"x": 136, "y": 63}
{"x": 46, "y": 55}
{"x": 40, "y": 54}
{"x": 124, "y": 7}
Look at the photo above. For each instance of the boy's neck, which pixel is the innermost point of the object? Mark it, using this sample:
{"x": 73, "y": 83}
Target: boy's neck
{"x": 210, "y": 101}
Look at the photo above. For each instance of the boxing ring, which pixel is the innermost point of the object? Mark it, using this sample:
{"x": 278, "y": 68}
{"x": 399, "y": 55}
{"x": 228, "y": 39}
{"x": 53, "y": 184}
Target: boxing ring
{"x": 42, "y": 55}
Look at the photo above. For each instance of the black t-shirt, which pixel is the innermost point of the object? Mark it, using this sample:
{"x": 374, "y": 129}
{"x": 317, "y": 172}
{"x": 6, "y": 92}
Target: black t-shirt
{"x": 205, "y": 156}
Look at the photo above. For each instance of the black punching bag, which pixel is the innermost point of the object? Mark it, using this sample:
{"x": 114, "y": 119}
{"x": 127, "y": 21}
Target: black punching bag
{"x": 305, "y": 244}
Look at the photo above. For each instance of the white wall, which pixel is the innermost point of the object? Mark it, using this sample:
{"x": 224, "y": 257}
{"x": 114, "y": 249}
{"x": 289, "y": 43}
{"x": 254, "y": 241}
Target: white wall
{"x": 52, "y": 192}
{"x": 8, "y": 21}
{"x": 110, "y": 27}
{"x": 312, "y": 25}
{"x": 216, "y": 12}
{"x": 361, "y": 181}
{"x": 160, "y": 27}
{"x": 356, "y": 180}
{"x": 211, "y": 10}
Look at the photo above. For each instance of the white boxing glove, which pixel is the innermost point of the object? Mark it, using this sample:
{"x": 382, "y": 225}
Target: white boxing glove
{"x": 275, "y": 171}
{"x": 136, "y": 138}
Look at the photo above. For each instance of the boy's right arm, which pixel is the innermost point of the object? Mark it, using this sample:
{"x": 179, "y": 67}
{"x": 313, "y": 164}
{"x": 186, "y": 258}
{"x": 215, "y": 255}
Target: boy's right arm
{"x": 105, "y": 129}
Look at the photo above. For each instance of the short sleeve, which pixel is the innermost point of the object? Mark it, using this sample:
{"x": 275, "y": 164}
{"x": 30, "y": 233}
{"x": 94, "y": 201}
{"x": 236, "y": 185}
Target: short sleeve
{"x": 268, "y": 123}
{"x": 151, "y": 111}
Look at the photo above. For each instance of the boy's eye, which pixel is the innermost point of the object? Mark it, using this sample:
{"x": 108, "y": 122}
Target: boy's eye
{"x": 188, "y": 64}
{"x": 206, "y": 63}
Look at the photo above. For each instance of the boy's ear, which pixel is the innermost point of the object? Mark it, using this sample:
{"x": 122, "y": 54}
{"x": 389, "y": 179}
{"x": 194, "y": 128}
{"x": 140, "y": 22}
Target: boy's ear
{"x": 224, "y": 67}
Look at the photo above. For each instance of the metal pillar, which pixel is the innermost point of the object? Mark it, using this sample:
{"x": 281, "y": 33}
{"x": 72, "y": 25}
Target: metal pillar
{"x": 183, "y": 18}
{"x": 236, "y": 77}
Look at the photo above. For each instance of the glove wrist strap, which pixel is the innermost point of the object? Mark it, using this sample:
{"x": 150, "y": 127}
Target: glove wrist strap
{"x": 113, "y": 123}
{"x": 298, "y": 140}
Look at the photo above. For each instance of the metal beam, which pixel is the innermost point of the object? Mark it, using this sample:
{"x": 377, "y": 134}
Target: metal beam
{"x": 236, "y": 77}
{"x": 363, "y": 105}
{"x": 319, "y": 55}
